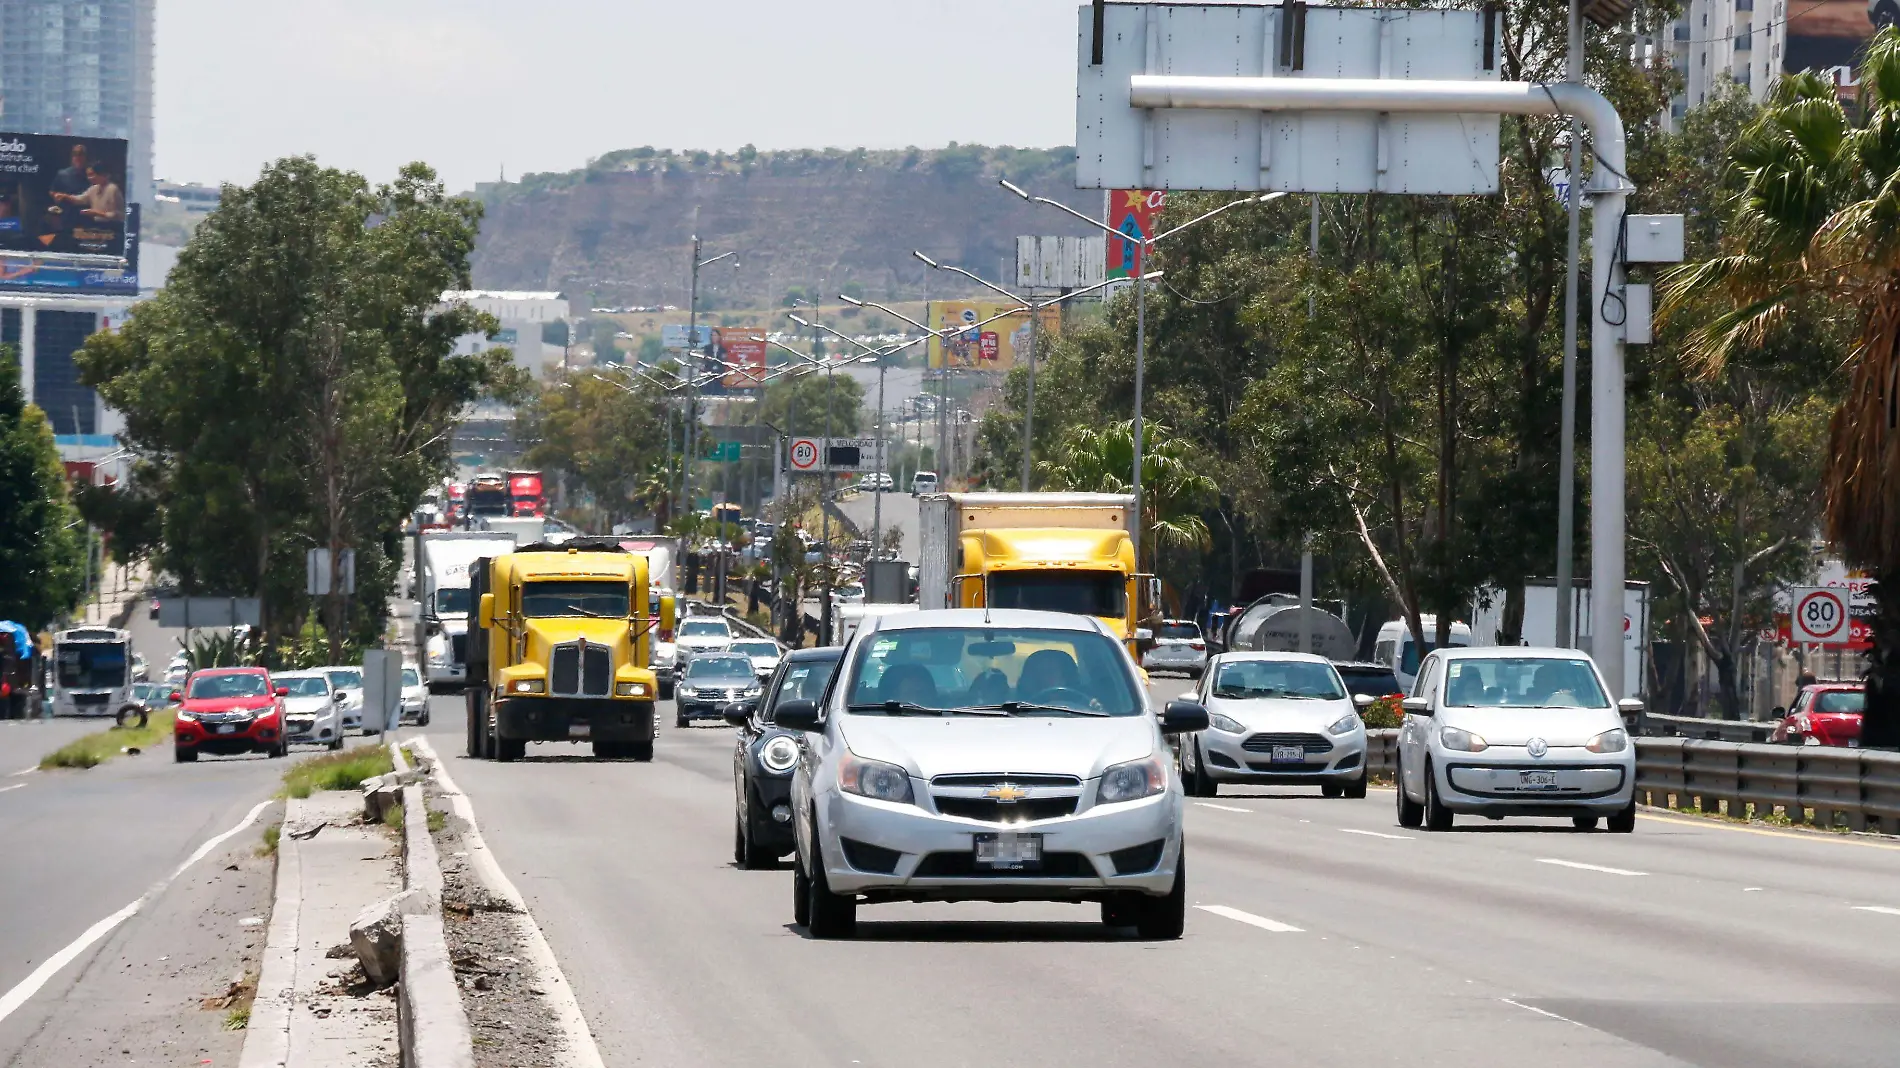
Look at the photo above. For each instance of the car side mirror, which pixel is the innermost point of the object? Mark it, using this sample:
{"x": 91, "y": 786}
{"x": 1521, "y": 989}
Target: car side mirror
{"x": 176, "y": 696}
{"x": 1416, "y": 706}
{"x": 1778, "y": 712}
{"x": 1630, "y": 706}
{"x": 283, "y": 691}
{"x": 1363, "y": 700}
{"x": 1183, "y": 717}
{"x": 339, "y": 696}
{"x": 736, "y": 714}
{"x": 797, "y": 716}
{"x": 1144, "y": 634}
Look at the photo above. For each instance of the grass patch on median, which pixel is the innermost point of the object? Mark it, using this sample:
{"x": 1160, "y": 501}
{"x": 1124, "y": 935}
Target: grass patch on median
{"x": 342, "y": 770}
{"x": 271, "y": 835}
{"x": 100, "y": 746}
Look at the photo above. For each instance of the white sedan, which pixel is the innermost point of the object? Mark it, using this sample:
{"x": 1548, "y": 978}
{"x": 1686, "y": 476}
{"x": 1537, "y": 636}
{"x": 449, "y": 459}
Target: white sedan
{"x": 1277, "y": 718}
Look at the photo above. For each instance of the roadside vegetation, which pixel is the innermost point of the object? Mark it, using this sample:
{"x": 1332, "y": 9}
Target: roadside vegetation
{"x": 101, "y": 746}
{"x": 345, "y": 770}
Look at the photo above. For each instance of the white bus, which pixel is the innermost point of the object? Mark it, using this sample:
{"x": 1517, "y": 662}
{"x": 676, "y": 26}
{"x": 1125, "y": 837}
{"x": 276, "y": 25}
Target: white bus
{"x": 91, "y": 672}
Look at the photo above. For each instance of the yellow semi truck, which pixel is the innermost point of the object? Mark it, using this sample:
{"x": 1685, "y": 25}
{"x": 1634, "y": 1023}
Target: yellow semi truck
{"x": 1059, "y": 552}
{"x": 562, "y": 650}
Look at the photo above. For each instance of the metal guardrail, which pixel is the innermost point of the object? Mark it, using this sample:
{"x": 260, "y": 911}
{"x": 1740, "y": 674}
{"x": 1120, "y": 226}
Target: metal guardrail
{"x": 1826, "y": 786}
{"x": 1727, "y": 730}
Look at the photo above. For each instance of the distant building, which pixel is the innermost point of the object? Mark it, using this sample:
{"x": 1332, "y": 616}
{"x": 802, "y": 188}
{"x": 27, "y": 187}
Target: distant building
{"x": 523, "y": 315}
{"x": 195, "y": 199}
{"x": 81, "y": 67}
{"x": 1743, "y": 39}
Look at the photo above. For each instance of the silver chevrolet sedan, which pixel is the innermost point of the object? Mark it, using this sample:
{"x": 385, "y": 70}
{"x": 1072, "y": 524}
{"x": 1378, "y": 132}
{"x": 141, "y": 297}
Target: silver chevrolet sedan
{"x": 973, "y": 755}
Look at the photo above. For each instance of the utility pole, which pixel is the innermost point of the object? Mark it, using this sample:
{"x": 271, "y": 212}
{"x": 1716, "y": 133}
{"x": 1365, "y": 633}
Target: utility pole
{"x": 1567, "y": 434}
{"x": 692, "y": 380}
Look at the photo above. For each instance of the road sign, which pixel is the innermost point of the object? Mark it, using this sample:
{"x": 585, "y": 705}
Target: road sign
{"x": 724, "y": 451}
{"x": 837, "y": 455}
{"x": 805, "y": 453}
{"x": 316, "y": 571}
{"x": 1820, "y": 615}
{"x": 210, "y": 611}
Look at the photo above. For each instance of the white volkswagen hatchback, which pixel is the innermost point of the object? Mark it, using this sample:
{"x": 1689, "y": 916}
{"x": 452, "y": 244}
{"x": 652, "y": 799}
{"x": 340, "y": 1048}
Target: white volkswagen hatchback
{"x": 1280, "y": 718}
{"x": 1512, "y": 731}
{"x": 972, "y": 755}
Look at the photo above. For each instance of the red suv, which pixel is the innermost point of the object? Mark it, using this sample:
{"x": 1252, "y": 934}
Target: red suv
{"x": 229, "y": 710}
{"x": 1826, "y": 713}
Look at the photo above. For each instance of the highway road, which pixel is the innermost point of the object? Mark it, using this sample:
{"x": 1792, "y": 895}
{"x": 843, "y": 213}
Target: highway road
{"x": 1321, "y": 934}
{"x": 900, "y": 512}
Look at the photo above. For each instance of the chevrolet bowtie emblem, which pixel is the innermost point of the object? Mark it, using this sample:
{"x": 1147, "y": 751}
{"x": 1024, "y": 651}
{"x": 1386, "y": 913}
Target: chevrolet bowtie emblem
{"x": 1008, "y": 793}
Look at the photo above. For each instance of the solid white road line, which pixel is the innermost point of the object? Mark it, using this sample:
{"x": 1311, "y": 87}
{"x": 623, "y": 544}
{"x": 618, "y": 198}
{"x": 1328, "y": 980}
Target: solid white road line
{"x": 15, "y": 786}
{"x": 1249, "y": 918}
{"x": 22, "y": 771}
{"x": 1588, "y": 867}
{"x": 1223, "y": 808}
{"x": 1378, "y": 834}
{"x": 581, "y": 1050}
{"x": 1541, "y": 1012}
{"x": 1882, "y": 909}
{"x": 26, "y": 988}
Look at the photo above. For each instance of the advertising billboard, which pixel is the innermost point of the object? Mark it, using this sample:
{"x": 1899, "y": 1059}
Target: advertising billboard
{"x": 673, "y": 336}
{"x": 61, "y": 194}
{"x": 1827, "y": 36}
{"x": 1132, "y": 213}
{"x": 975, "y": 339}
{"x": 744, "y": 346}
{"x": 20, "y": 273}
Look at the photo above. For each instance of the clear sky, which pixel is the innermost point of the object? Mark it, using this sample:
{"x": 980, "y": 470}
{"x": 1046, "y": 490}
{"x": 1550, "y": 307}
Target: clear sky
{"x": 473, "y": 86}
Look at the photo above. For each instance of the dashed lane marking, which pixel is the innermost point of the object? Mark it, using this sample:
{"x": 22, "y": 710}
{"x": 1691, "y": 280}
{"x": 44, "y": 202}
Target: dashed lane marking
{"x": 1223, "y": 808}
{"x": 1882, "y": 909}
{"x": 1588, "y": 867}
{"x": 1378, "y": 834}
{"x": 1249, "y": 918}
{"x": 1541, "y": 1012}
{"x": 15, "y": 786}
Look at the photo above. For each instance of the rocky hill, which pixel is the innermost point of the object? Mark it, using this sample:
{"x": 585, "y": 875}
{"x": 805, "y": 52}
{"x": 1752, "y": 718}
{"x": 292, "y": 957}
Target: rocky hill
{"x": 619, "y": 231}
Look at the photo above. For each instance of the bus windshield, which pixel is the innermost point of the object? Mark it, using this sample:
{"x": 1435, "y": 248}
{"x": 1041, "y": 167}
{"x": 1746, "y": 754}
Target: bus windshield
{"x": 91, "y": 665}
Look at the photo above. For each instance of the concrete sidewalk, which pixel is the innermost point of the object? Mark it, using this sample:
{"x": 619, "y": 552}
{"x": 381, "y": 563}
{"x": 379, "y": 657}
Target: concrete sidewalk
{"x": 307, "y": 1013}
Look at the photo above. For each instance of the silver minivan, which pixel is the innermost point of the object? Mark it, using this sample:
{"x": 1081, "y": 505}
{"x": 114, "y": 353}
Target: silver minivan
{"x": 1512, "y": 731}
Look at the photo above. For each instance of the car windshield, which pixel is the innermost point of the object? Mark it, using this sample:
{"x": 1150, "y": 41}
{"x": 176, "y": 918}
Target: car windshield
{"x": 704, "y": 628}
{"x": 213, "y": 687}
{"x": 755, "y": 648}
{"x": 1179, "y": 631}
{"x": 1298, "y": 679}
{"x": 1082, "y": 593}
{"x": 576, "y": 598}
{"x": 1841, "y": 701}
{"x": 804, "y": 680}
{"x": 346, "y": 677}
{"x": 1379, "y": 683}
{"x": 1410, "y": 658}
{"x": 1007, "y": 669}
{"x": 1522, "y": 682}
{"x": 410, "y": 677}
{"x": 719, "y": 667}
{"x": 451, "y": 601}
{"x": 304, "y": 685}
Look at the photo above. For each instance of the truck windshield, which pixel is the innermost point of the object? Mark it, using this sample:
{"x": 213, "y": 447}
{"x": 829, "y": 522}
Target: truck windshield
{"x": 92, "y": 666}
{"x": 451, "y": 602}
{"x": 1085, "y": 593}
{"x": 486, "y": 501}
{"x": 583, "y": 598}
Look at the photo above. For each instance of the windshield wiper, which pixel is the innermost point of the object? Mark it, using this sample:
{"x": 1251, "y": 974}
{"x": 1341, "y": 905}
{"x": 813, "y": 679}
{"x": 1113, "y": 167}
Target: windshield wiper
{"x": 896, "y": 708}
{"x": 579, "y": 611}
{"x": 1013, "y": 707}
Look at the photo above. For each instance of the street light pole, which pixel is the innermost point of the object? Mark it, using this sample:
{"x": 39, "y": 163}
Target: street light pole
{"x": 1567, "y": 433}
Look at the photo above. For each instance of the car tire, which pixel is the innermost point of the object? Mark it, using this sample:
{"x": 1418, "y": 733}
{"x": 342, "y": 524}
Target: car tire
{"x": 739, "y": 851}
{"x": 1331, "y": 789}
{"x": 666, "y": 691}
{"x": 508, "y": 750}
{"x": 336, "y": 743}
{"x": 1199, "y": 783}
{"x": 1624, "y": 821}
{"x": 801, "y": 895}
{"x": 680, "y": 722}
{"x": 423, "y": 719}
{"x": 1356, "y": 789}
{"x": 1411, "y": 813}
{"x": 1437, "y": 816}
{"x": 832, "y": 915}
{"x": 606, "y": 750}
{"x": 1120, "y": 911}
{"x": 751, "y": 857}
{"x": 641, "y": 752}
{"x": 277, "y": 751}
{"x": 184, "y": 754}
{"x": 1164, "y": 918}
{"x": 1584, "y": 823}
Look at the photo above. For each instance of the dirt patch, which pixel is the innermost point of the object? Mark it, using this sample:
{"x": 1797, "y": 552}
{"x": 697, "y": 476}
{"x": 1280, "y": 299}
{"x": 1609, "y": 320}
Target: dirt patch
{"x": 508, "y": 1013}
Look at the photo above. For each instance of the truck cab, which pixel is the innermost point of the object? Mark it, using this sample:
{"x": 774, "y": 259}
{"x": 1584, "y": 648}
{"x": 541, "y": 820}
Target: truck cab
{"x": 562, "y": 651}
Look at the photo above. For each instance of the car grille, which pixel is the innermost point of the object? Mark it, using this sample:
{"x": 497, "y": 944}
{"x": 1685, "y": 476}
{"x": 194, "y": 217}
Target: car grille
{"x": 991, "y": 811}
{"x": 580, "y": 670}
{"x": 988, "y": 780}
{"x": 1264, "y": 742}
{"x": 84, "y": 699}
{"x": 1270, "y": 766}
{"x": 963, "y": 866}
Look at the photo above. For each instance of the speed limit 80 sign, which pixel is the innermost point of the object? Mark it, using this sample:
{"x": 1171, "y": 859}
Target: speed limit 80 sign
{"x": 1819, "y": 614}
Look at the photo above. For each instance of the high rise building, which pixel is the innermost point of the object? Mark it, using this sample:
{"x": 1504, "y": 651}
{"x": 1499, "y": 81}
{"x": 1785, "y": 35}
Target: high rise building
{"x": 1743, "y": 39}
{"x": 81, "y": 67}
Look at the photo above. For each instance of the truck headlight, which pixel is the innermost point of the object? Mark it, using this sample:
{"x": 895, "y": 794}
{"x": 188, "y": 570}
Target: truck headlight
{"x": 1132, "y": 781}
{"x": 527, "y": 686}
{"x": 873, "y": 778}
{"x": 632, "y": 689}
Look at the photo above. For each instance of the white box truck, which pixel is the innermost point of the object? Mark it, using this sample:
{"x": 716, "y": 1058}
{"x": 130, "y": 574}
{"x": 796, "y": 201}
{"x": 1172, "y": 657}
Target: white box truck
{"x": 443, "y": 559}
{"x": 1540, "y": 624}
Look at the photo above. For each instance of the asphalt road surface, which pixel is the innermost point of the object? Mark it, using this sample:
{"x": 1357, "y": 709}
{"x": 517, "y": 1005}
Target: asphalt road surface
{"x": 900, "y": 511}
{"x": 1321, "y": 934}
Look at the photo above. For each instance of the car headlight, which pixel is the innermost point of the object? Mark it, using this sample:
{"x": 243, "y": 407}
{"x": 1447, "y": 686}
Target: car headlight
{"x": 527, "y": 686}
{"x": 781, "y": 753}
{"x": 1610, "y": 741}
{"x": 1132, "y": 781}
{"x": 188, "y": 717}
{"x": 1461, "y": 741}
{"x": 873, "y": 778}
{"x": 1344, "y": 724}
{"x": 437, "y": 659}
{"x": 754, "y": 691}
{"x": 1224, "y": 723}
{"x": 631, "y": 689}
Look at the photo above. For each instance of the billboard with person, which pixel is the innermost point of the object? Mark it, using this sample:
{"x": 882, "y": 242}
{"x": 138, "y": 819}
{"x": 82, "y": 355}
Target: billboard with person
{"x": 1828, "y": 36}
{"x": 1131, "y": 212}
{"x": 744, "y": 346}
{"x": 62, "y": 195}
{"x": 972, "y": 337}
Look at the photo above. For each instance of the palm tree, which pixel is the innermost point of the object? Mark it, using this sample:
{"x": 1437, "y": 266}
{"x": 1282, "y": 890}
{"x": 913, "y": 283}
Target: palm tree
{"x": 1100, "y": 460}
{"x": 1818, "y": 219}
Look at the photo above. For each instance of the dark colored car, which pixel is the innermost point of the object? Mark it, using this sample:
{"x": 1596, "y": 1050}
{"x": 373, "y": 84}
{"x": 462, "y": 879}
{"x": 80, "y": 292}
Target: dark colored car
{"x": 764, "y": 756}
{"x": 1825, "y": 713}
{"x": 228, "y": 710}
{"x": 710, "y": 682}
{"x": 1373, "y": 680}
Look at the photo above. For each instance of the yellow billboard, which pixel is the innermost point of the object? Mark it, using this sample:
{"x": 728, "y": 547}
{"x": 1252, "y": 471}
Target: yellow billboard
{"x": 973, "y": 337}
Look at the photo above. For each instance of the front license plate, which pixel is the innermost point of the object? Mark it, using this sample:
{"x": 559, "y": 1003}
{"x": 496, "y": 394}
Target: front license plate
{"x": 1537, "y": 780}
{"x": 1289, "y": 754}
{"x": 227, "y": 728}
{"x": 579, "y": 730}
{"x": 1008, "y": 852}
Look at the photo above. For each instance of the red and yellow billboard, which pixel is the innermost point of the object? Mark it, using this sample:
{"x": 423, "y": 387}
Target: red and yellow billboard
{"x": 973, "y": 338}
{"x": 745, "y": 347}
{"x": 1132, "y": 213}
